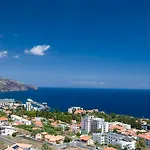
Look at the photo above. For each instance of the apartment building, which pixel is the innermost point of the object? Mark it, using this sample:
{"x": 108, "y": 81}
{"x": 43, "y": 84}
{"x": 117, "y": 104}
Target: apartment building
{"x": 86, "y": 123}
{"x": 92, "y": 124}
{"x": 28, "y": 106}
{"x": 114, "y": 138}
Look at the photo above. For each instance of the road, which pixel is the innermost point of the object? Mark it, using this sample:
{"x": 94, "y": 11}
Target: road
{"x": 5, "y": 139}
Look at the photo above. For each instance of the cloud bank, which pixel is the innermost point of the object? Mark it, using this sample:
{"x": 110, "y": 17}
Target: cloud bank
{"x": 38, "y": 50}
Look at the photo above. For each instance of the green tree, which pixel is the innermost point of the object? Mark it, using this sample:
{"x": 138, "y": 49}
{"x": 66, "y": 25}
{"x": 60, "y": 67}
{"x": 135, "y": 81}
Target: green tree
{"x": 67, "y": 139}
{"x": 45, "y": 146}
{"x": 140, "y": 144}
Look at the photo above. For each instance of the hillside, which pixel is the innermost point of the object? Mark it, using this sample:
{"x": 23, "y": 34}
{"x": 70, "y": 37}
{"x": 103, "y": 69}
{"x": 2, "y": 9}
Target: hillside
{"x": 7, "y": 85}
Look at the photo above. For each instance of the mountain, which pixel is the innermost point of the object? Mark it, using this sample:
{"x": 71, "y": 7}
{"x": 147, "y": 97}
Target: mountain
{"x": 7, "y": 85}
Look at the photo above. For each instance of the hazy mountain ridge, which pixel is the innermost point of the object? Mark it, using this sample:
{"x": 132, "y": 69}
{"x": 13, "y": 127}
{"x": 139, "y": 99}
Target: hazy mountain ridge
{"x": 7, "y": 85}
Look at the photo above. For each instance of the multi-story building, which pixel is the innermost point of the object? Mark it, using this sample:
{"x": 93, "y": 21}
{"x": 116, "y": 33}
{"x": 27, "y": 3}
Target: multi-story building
{"x": 91, "y": 124}
{"x": 86, "y": 123}
{"x": 114, "y": 138}
{"x": 28, "y": 106}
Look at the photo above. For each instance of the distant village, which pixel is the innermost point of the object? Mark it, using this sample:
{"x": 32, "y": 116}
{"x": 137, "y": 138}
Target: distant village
{"x": 25, "y": 126}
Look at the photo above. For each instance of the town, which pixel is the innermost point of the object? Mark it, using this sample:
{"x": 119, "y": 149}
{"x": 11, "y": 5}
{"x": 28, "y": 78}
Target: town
{"x": 33, "y": 126}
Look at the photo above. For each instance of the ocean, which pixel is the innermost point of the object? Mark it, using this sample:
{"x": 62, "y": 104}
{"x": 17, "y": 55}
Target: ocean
{"x": 121, "y": 101}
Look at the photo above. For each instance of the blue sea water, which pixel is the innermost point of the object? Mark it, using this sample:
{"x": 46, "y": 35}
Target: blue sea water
{"x": 121, "y": 101}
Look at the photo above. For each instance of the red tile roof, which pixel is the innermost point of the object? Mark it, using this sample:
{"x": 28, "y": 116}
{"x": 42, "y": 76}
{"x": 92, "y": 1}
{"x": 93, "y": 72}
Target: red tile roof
{"x": 3, "y": 119}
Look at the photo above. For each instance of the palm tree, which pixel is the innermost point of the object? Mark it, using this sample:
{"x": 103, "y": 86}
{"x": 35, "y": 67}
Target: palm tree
{"x": 140, "y": 144}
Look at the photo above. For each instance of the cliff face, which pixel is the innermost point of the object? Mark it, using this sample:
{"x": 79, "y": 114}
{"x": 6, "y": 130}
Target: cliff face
{"x": 7, "y": 85}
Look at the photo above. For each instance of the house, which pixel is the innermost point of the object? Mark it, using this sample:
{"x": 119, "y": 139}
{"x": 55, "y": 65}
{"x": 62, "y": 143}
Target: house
{"x": 3, "y": 120}
{"x": 20, "y": 146}
{"x": 146, "y": 137}
{"x": 38, "y": 123}
{"x": 54, "y": 139}
{"x": 16, "y": 118}
{"x": 74, "y": 127}
{"x": 7, "y": 130}
{"x": 54, "y": 124}
{"x": 73, "y": 121}
{"x": 86, "y": 139}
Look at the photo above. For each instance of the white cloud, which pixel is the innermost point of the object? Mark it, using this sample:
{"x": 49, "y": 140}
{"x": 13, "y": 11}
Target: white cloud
{"x": 102, "y": 83}
{"x": 17, "y": 57}
{"x": 3, "y": 54}
{"x": 84, "y": 82}
{"x": 38, "y": 50}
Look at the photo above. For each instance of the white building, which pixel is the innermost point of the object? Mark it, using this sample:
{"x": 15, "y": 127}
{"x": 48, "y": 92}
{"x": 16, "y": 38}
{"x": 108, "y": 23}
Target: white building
{"x": 114, "y": 138}
{"x": 7, "y": 130}
{"x": 126, "y": 126}
{"x": 91, "y": 124}
{"x": 6, "y": 102}
{"x": 73, "y": 109}
{"x": 99, "y": 137}
{"x": 20, "y": 119}
{"x": 28, "y": 106}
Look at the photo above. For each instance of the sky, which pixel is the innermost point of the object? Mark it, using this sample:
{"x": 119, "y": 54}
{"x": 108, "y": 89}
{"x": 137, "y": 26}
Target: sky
{"x": 76, "y": 43}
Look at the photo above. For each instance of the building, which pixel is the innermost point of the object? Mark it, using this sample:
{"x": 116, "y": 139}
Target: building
{"x": 16, "y": 118}
{"x": 146, "y": 127}
{"x": 123, "y": 125}
{"x": 28, "y": 106}
{"x": 86, "y": 139}
{"x": 99, "y": 137}
{"x": 20, "y": 146}
{"x": 86, "y": 123}
{"x": 7, "y": 130}
{"x": 99, "y": 124}
{"x": 6, "y": 102}
{"x": 114, "y": 138}
{"x": 3, "y": 121}
{"x": 146, "y": 137}
{"x": 91, "y": 124}
{"x": 73, "y": 109}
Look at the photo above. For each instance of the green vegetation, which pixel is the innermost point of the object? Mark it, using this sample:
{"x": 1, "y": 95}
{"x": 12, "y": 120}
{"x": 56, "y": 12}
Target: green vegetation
{"x": 46, "y": 128}
{"x": 2, "y": 114}
{"x": 56, "y": 115}
{"x": 45, "y": 146}
{"x": 67, "y": 139}
{"x": 115, "y": 146}
{"x": 140, "y": 144}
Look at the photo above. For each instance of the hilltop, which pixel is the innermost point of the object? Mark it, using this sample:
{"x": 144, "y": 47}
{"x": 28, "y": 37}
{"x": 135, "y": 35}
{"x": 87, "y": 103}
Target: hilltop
{"x": 7, "y": 85}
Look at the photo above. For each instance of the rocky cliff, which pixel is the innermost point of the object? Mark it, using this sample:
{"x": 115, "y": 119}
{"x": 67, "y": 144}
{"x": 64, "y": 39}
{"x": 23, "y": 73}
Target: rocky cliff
{"x": 7, "y": 85}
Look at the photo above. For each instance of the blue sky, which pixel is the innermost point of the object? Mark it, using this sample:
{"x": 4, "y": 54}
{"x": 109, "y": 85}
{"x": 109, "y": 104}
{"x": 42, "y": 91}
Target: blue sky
{"x": 76, "y": 43}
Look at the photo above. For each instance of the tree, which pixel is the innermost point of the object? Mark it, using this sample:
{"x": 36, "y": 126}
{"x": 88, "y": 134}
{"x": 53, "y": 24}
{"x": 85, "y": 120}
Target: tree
{"x": 78, "y": 134}
{"x": 67, "y": 139}
{"x": 140, "y": 144}
{"x": 45, "y": 146}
